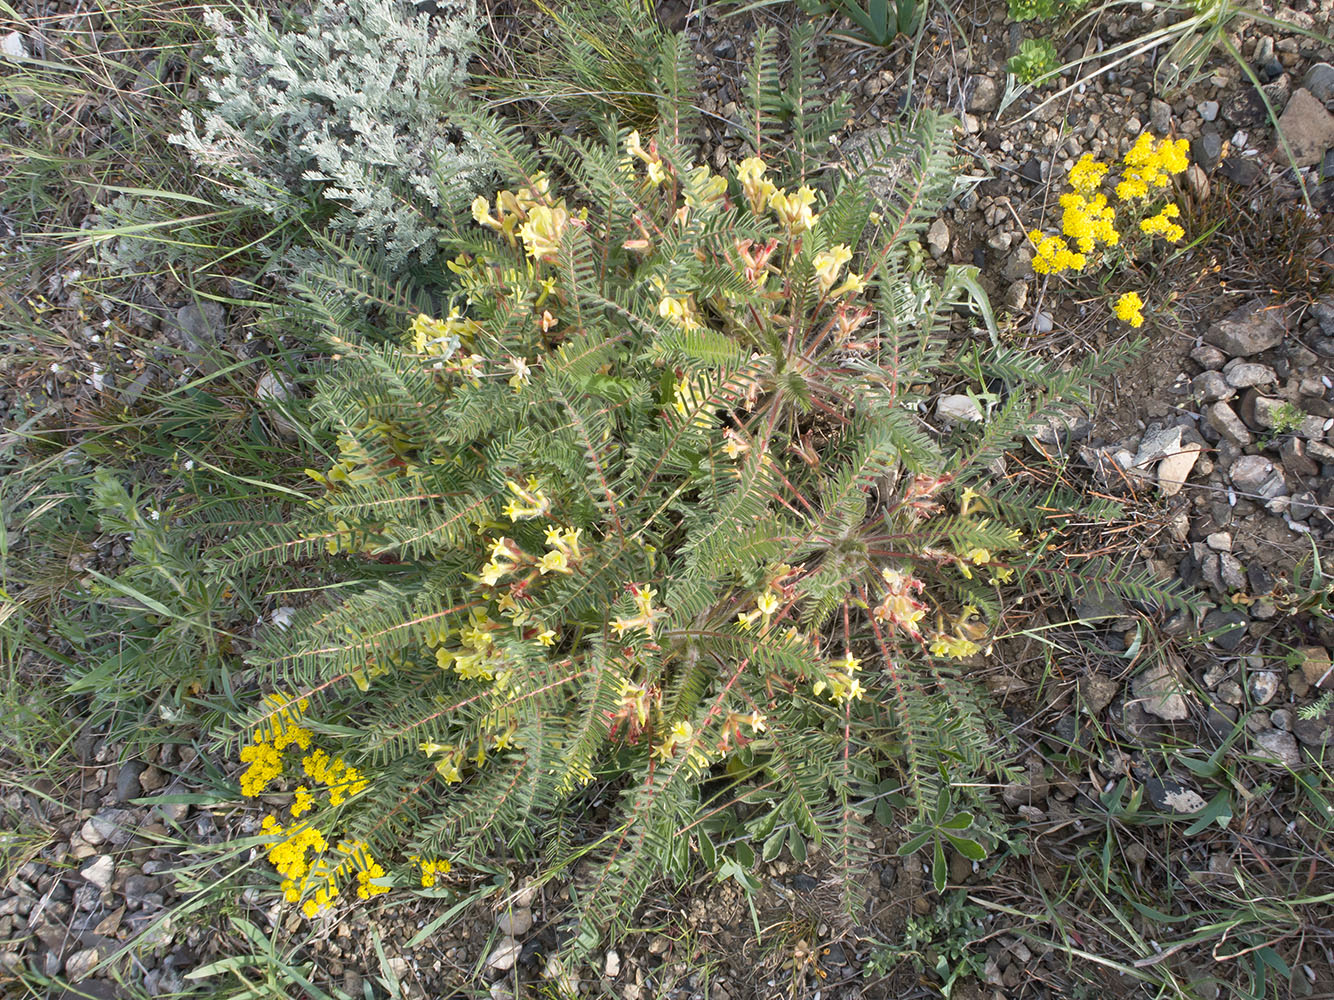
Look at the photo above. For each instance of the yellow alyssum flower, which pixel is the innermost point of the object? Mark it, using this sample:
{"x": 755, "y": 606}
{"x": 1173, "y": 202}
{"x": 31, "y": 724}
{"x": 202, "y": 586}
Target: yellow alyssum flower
{"x": 265, "y": 764}
{"x": 1129, "y": 308}
{"x": 1087, "y": 174}
{"x": 1162, "y": 224}
{"x": 431, "y": 869}
{"x": 1088, "y": 221}
{"x": 1149, "y": 165}
{"x": 302, "y": 802}
{"x": 829, "y": 263}
{"x": 1053, "y": 255}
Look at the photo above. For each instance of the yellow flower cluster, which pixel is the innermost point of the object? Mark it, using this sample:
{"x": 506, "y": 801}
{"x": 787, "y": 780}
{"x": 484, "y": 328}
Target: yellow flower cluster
{"x": 840, "y": 680}
{"x": 302, "y": 801}
{"x": 531, "y": 212}
{"x": 529, "y": 501}
{"x": 563, "y": 551}
{"x": 441, "y": 337}
{"x": 288, "y": 855}
{"x": 679, "y": 310}
{"x": 1162, "y": 224}
{"x": 978, "y": 557}
{"x": 900, "y": 608}
{"x": 1088, "y": 220}
{"x": 266, "y": 763}
{"x": 954, "y": 646}
{"x": 829, "y": 264}
{"x": 757, "y": 189}
{"x": 478, "y": 658}
{"x": 431, "y": 869}
{"x": 450, "y": 764}
{"x": 647, "y": 613}
{"x": 1149, "y": 165}
{"x": 1052, "y": 255}
{"x": 793, "y": 210}
{"x": 1129, "y": 308}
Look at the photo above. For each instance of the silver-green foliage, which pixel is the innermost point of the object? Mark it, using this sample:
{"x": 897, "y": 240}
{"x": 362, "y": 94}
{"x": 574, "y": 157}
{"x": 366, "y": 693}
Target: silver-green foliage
{"x": 351, "y": 108}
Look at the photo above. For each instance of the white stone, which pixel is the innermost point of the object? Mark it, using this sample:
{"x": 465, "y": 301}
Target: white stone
{"x": 958, "y": 408}
{"x": 81, "y": 964}
{"x": 612, "y": 968}
{"x": 100, "y": 871}
{"x": 505, "y": 955}
{"x": 14, "y": 46}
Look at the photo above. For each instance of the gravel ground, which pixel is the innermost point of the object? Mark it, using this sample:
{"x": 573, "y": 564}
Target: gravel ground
{"x": 1219, "y": 442}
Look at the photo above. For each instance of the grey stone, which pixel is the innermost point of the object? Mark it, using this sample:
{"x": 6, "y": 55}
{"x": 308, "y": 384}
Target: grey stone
{"x": 1224, "y": 419}
{"x": 1208, "y": 110}
{"x": 1211, "y": 387}
{"x": 985, "y": 96}
{"x": 14, "y": 46}
{"x": 1319, "y": 80}
{"x": 1267, "y": 410}
{"x": 1247, "y": 330}
{"x": 1230, "y": 625}
{"x": 1160, "y": 692}
{"x": 1243, "y": 374}
{"x": 1167, "y": 795}
{"x": 958, "y": 408}
{"x": 1158, "y": 444}
{"x": 1230, "y": 573}
{"x": 938, "y": 238}
{"x": 1242, "y": 171}
{"x": 1250, "y": 472}
{"x": 1323, "y": 311}
{"x": 1160, "y": 116}
{"x": 1317, "y": 732}
{"x": 200, "y": 325}
{"x": 1278, "y": 746}
{"x": 1097, "y": 692}
{"x": 1219, "y": 541}
{"x": 1264, "y": 685}
{"x": 1207, "y": 150}
{"x": 1208, "y": 356}
{"x": 113, "y": 825}
{"x": 127, "y": 782}
{"x": 1308, "y": 127}
{"x": 514, "y": 922}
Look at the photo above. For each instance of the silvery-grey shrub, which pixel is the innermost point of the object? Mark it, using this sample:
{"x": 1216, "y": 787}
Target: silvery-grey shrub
{"x": 350, "y": 107}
